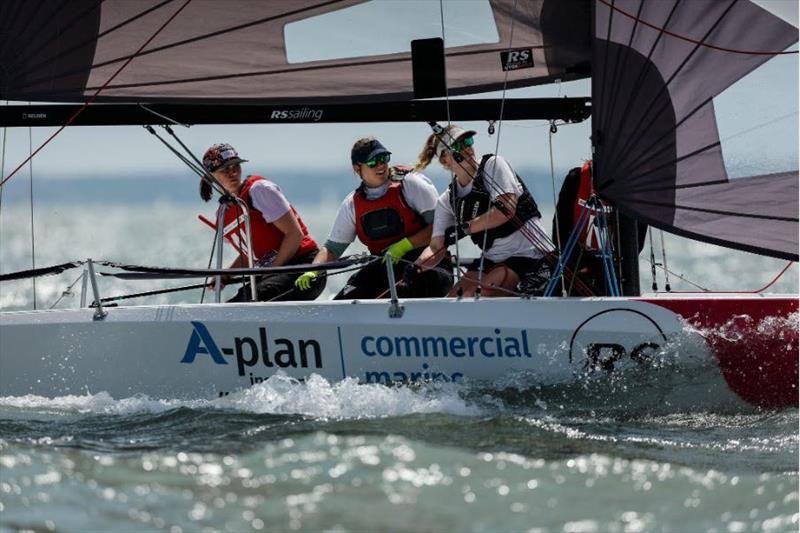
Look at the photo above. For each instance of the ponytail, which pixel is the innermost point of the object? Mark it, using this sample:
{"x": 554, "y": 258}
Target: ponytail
{"x": 427, "y": 154}
{"x": 205, "y": 190}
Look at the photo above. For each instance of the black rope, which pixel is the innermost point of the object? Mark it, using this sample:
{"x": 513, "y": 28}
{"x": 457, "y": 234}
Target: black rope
{"x": 150, "y": 272}
{"x": 42, "y": 271}
{"x": 149, "y": 293}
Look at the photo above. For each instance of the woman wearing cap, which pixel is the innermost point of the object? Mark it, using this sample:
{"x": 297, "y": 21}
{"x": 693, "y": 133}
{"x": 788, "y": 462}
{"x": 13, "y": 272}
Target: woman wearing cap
{"x": 279, "y": 236}
{"x": 488, "y": 202}
{"x": 390, "y": 212}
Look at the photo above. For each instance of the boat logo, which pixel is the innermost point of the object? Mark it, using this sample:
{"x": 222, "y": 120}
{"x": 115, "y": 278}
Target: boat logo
{"x": 297, "y": 114}
{"x": 594, "y": 346}
{"x": 516, "y": 59}
{"x": 248, "y": 351}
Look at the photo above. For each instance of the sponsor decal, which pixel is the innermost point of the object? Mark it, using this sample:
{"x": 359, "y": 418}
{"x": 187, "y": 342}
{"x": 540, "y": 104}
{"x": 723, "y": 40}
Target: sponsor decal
{"x": 425, "y": 374}
{"x": 606, "y": 356}
{"x": 33, "y": 116}
{"x": 516, "y": 59}
{"x": 297, "y": 114}
{"x": 499, "y": 345}
{"x": 248, "y": 352}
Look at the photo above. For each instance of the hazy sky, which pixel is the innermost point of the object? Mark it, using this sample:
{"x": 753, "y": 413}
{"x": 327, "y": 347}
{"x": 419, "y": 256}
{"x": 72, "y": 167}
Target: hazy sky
{"x": 758, "y": 119}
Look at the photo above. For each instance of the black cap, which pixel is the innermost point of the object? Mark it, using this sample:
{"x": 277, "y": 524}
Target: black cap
{"x": 365, "y": 152}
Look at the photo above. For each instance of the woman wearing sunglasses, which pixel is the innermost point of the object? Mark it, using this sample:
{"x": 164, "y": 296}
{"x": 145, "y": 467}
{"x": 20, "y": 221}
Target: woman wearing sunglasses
{"x": 390, "y": 212}
{"x": 490, "y": 204}
{"x": 279, "y": 236}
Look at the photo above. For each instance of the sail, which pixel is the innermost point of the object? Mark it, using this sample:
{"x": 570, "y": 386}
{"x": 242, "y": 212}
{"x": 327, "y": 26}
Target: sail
{"x": 657, "y": 67}
{"x": 279, "y": 51}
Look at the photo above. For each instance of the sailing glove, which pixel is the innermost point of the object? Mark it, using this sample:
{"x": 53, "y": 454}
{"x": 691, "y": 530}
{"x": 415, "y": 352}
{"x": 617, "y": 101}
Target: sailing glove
{"x": 399, "y": 249}
{"x": 304, "y": 281}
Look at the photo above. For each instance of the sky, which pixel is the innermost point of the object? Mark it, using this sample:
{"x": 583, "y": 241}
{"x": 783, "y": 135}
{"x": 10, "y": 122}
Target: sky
{"x": 766, "y": 99}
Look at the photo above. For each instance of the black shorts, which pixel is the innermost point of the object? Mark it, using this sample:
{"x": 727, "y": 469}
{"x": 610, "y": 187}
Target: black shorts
{"x": 280, "y": 287}
{"x": 372, "y": 281}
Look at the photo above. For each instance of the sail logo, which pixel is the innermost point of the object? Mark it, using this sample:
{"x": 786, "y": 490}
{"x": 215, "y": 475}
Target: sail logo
{"x": 516, "y": 59}
{"x": 297, "y": 114}
{"x": 249, "y": 351}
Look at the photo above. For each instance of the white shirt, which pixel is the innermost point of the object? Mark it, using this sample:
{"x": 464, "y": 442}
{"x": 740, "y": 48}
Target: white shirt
{"x": 418, "y": 192}
{"x": 268, "y": 198}
{"x": 500, "y": 179}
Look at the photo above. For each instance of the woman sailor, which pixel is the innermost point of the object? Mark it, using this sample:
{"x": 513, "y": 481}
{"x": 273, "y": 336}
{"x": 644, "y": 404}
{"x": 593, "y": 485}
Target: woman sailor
{"x": 279, "y": 235}
{"x": 390, "y": 212}
{"x": 488, "y": 202}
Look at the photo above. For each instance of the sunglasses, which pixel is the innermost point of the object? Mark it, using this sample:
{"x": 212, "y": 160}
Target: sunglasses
{"x": 377, "y": 160}
{"x": 458, "y": 146}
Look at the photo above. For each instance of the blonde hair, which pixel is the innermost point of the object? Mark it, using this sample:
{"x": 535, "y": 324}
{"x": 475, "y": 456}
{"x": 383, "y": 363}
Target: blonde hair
{"x": 428, "y": 152}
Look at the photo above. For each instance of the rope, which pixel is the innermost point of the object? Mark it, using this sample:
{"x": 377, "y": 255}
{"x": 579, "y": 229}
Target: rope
{"x": 447, "y": 107}
{"x": 555, "y": 200}
{"x": 96, "y": 93}
{"x": 497, "y": 142}
{"x": 67, "y": 291}
{"x": 694, "y": 41}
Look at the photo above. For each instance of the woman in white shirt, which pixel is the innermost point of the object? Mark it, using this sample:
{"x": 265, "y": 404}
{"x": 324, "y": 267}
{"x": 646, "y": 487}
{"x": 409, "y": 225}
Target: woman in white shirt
{"x": 390, "y": 212}
{"x": 489, "y": 203}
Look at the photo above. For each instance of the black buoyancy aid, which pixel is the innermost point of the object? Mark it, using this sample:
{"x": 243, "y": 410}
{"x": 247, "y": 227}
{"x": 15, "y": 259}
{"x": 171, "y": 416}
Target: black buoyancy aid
{"x": 479, "y": 200}
{"x": 384, "y": 221}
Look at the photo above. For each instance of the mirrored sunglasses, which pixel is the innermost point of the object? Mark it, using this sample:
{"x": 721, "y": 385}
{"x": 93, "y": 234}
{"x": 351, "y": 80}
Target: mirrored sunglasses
{"x": 377, "y": 160}
{"x": 458, "y": 146}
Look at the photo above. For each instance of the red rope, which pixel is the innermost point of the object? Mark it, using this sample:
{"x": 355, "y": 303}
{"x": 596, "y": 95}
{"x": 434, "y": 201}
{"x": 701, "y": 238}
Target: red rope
{"x": 694, "y": 41}
{"x": 94, "y": 96}
{"x": 757, "y": 291}
{"x": 771, "y": 283}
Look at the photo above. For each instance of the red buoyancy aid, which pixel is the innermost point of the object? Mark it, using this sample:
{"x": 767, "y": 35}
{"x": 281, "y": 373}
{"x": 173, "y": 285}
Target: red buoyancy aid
{"x": 384, "y": 221}
{"x": 266, "y": 236}
{"x": 589, "y": 236}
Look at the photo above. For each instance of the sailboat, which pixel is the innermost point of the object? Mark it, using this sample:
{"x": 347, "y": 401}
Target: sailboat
{"x": 655, "y": 67}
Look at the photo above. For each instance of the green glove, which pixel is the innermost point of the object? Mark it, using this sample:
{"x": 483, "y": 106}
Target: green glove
{"x": 305, "y": 280}
{"x": 399, "y": 249}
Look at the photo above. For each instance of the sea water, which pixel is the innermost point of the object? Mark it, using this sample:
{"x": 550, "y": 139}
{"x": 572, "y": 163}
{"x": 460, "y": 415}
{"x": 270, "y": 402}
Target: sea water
{"x": 342, "y": 456}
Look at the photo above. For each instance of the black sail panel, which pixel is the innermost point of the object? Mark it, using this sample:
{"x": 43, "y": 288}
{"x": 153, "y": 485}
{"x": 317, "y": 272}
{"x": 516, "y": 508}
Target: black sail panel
{"x": 657, "y": 66}
{"x": 236, "y": 50}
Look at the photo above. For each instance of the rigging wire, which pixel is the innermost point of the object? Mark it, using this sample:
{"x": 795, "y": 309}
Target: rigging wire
{"x": 667, "y": 286}
{"x": 497, "y": 141}
{"x": 447, "y": 108}
{"x": 555, "y": 200}
{"x": 2, "y": 171}
{"x": 33, "y": 238}
{"x": 97, "y": 92}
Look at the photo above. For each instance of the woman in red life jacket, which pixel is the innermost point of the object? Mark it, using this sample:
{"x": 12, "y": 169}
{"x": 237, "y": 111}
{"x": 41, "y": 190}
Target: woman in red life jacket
{"x": 490, "y": 204}
{"x": 390, "y": 212}
{"x": 278, "y": 234}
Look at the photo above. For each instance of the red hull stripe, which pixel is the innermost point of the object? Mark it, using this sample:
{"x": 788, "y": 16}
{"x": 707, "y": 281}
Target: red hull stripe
{"x": 755, "y": 341}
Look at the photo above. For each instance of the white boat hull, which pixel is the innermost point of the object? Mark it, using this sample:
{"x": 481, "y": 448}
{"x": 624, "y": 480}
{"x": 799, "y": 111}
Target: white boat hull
{"x": 205, "y": 351}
